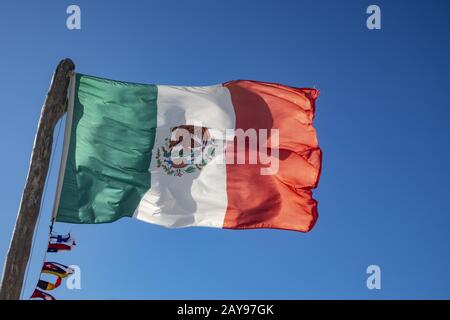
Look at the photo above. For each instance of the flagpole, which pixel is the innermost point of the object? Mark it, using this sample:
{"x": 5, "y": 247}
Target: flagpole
{"x": 54, "y": 107}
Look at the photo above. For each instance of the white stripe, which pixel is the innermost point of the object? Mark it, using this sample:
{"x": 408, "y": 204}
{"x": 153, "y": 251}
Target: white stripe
{"x": 65, "y": 147}
{"x": 198, "y": 198}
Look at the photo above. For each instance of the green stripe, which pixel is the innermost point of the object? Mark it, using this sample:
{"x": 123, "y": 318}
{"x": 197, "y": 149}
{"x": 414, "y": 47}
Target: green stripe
{"x": 112, "y": 137}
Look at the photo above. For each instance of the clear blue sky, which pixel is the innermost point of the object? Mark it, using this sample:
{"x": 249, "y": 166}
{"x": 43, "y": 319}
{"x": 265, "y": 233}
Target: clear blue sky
{"x": 382, "y": 121}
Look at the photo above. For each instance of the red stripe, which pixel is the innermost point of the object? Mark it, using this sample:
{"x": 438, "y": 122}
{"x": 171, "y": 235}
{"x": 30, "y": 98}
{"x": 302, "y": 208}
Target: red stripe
{"x": 283, "y": 200}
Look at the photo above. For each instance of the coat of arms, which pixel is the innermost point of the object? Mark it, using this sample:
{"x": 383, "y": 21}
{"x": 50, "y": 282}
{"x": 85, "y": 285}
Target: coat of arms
{"x": 188, "y": 150}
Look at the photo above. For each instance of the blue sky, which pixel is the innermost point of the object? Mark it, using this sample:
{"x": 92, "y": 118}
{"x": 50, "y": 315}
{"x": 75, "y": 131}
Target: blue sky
{"x": 382, "y": 121}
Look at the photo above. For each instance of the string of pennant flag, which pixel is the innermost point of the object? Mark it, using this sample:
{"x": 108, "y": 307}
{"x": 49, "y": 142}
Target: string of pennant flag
{"x": 57, "y": 243}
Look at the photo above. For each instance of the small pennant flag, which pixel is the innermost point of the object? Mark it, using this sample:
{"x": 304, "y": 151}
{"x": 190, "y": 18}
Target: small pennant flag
{"x": 58, "y": 247}
{"x": 38, "y": 294}
{"x": 45, "y": 285}
{"x": 56, "y": 269}
{"x": 58, "y": 238}
{"x": 59, "y": 243}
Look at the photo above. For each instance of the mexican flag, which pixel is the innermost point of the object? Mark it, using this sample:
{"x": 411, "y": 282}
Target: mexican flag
{"x": 238, "y": 155}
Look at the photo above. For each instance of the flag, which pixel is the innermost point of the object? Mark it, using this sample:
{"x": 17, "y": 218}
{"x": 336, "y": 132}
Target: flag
{"x": 38, "y": 294}
{"x": 59, "y": 243}
{"x": 58, "y": 247}
{"x": 56, "y": 269}
{"x": 46, "y": 285}
{"x": 61, "y": 238}
{"x": 238, "y": 155}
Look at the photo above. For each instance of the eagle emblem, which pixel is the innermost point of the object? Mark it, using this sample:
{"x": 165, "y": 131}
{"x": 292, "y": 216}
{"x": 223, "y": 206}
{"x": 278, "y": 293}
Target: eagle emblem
{"x": 188, "y": 150}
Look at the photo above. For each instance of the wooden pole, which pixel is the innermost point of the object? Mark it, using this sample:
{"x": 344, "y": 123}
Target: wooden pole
{"x": 54, "y": 107}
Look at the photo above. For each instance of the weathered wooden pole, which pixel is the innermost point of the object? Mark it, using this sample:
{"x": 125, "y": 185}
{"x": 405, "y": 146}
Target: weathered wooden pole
{"x": 19, "y": 249}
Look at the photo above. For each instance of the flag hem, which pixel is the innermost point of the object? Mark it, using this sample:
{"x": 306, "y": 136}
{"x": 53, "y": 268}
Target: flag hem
{"x": 66, "y": 143}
